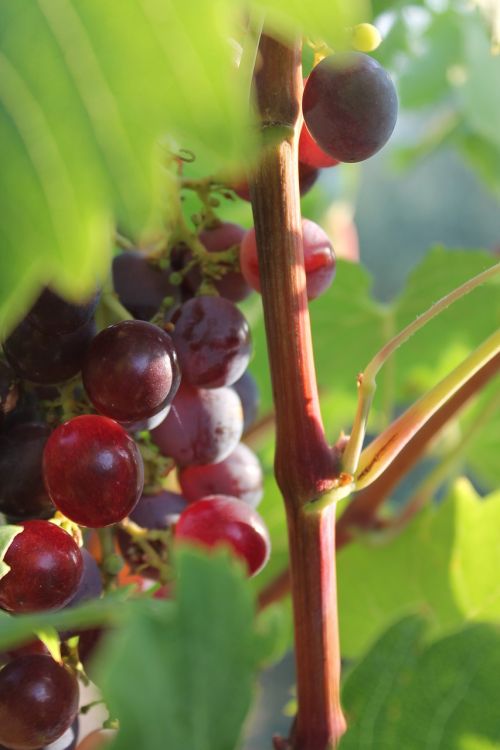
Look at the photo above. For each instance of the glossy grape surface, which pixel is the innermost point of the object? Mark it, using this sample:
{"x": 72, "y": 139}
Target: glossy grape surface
{"x": 202, "y": 427}
{"x": 46, "y": 567}
{"x": 55, "y": 315}
{"x": 213, "y": 342}
{"x": 350, "y": 106}
{"x": 154, "y": 512}
{"x": 239, "y": 475}
{"x": 22, "y": 492}
{"x": 131, "y": 372}
{"x": 45, "y": 358}
{"x": 90, "y": 586}
{"x": 93, "y": 471}
{"x": 38, "y": 702}
{"x": 248, "y": 391}
{"x": 232, "y": 285}
{"x": 67, "y": 740}
{"x": 218, "y": 520}
{"x": 140, "y": 285}
{"x": 319, "y": 259}
{"x": 311, "y": 154}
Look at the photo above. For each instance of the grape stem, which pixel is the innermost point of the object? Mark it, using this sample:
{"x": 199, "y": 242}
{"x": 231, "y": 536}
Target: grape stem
{"x": 305, "y": 466}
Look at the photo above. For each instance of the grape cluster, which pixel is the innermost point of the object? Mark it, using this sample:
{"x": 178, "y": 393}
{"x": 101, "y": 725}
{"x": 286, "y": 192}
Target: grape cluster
{"x": 136, "y": 428}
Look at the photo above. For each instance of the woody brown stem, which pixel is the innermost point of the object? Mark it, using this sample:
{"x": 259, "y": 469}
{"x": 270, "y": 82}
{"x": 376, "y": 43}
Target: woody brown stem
{"x": 305, "y": 466}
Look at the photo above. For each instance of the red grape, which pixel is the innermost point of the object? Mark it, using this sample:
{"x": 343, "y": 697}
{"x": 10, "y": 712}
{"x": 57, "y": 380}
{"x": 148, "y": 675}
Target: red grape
{"x": 93, "y": 471}
{"x": 350, "y": 106}
{"x": 212, "y": 339}
{"x": 55, "y": 315}
{"x": 319, "y": 259}
{"x": 43, "y": 358}
{"x": 311, "y": 154}
{"x": 38, "y": 702}
{"x": 219, "y": 520}
{"x": 239, "y": 475}
{"x": 141, "y": 286}
{"x": 22, "y": 493}
{"x": 232, "y": 285}
{"x": 46, "y": 567}
{"x": 203, "y": 426}
{"x": 130, "y": 372}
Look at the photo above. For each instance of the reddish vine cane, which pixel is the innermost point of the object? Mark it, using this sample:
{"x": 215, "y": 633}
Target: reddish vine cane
{"x": 306, "y": 467}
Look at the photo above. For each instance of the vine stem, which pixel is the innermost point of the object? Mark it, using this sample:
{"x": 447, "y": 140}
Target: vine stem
{"x": 361, "y": 514}
{"x": 305, "y": 466}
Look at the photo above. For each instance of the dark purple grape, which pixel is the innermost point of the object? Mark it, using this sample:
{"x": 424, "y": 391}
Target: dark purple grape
{"x": 213, "y": 342}
{"x": 131, "y": 372}
{"x": 44, "y": 358}
{"x": 232, "y": 285}
{"x": 9, "y": 389}
{"x": 22, "y": 491}
{"x": 55, "y": 315}
{"x": 203, "y": 426}
{"x": 155, "y": 512}
{"x": 93, "y": 471}
{"x": 248, "y": 391}
{"x": 46, "y": 568}
{"x": 158, "y": 511}
{"x": 90, "y": 586}
{"x": 238, "y": 475}
{"x": 350, "y": 106}
{"x": 141, "y": 286}
{"x": 38, "y": 702}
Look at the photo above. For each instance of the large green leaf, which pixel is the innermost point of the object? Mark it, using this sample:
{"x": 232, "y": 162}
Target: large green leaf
{"x": 327, "y": 20}
{"x": 181, "y": 676}
{"x": 86, "y": 90}
{"x": 405, "y": 694}
{"x": 445, "y": 564}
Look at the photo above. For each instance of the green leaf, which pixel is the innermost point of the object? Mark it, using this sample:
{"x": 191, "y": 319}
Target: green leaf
{"x": 85, "y": 95}
{"x": 7, "y": 534}
{"x": 442, "y": 344}
{"x": 327, "y": 20}
{"x": 111, "y": 609}
{"x": 480, "y": 110}
{"x": 201, "y": 655}
{"x": 382, "y": 6}
{"x": 426, "y": 79}
{"x": 50, "y": 638}
{"x": 275, "y": 629}
{"x": 405, "y": 694}
{"x": 445, "y": 564}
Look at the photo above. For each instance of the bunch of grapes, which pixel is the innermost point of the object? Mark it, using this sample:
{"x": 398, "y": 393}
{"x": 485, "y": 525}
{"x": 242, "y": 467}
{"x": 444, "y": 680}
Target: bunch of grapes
{"x": 136, "y": 429}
